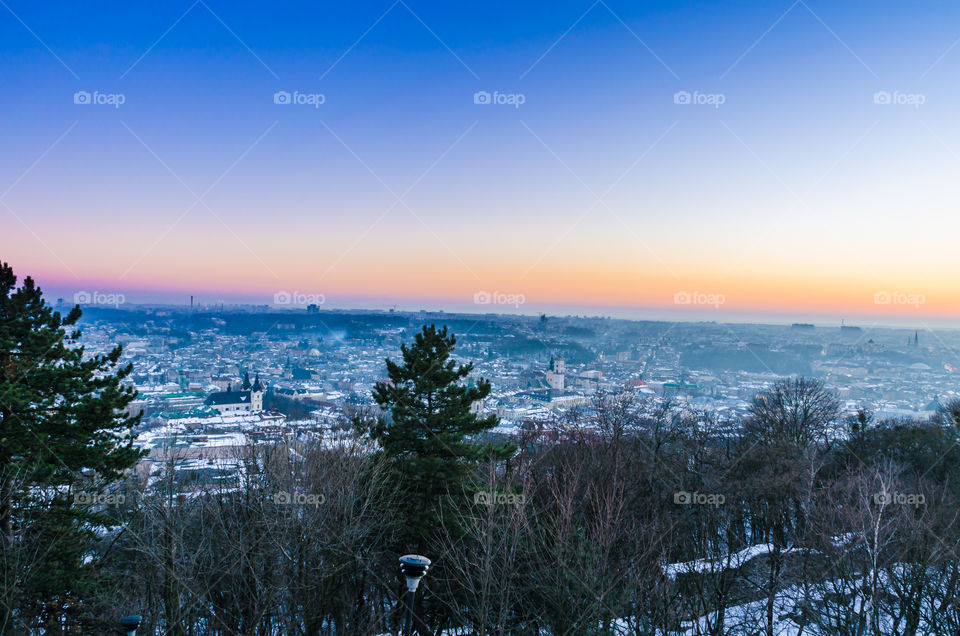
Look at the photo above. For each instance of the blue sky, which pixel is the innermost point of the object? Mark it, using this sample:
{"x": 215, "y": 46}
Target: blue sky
{"x": 798, "y": 192}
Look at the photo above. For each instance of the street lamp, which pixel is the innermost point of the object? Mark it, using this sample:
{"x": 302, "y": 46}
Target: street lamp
{"x": 413, "y": 567}
{"x": 130, "y": 624}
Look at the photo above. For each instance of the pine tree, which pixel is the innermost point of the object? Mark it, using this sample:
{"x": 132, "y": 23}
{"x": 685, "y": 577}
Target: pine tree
{"x": 429, "y": 434}
{"x": 61, "y": 426}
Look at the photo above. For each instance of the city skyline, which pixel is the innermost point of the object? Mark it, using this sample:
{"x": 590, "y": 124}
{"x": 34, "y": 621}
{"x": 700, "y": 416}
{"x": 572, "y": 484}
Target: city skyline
{"x": 787, "y": 158}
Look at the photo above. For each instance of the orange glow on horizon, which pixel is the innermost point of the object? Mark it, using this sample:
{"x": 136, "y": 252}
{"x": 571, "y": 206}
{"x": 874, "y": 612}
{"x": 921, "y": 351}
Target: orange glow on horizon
{"x": 567, "y": 287}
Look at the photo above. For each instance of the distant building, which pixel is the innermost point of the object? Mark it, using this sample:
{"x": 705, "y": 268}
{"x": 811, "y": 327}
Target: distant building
{"x": 230, "y": 401}
{"x": 223, "y": 382}
{"x": 555, "y": 374}
{"x": 589, "y": 380}
{"x": 136, "y": 407}
{"x": 476, "y": 407}
{"x": 553, "y": 398}
{"x": 558, "y": 366}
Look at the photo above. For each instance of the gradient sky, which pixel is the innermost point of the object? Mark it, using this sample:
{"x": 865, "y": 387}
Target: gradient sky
{"x": 799, "y": 195}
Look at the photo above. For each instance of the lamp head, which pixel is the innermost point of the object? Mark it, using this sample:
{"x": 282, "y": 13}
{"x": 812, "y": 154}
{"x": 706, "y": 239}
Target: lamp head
{"x": 413, "y": 567}
{"x": 130, "y": 623}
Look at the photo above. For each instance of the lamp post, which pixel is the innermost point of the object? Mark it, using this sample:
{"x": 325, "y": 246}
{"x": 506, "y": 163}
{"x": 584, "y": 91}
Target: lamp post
{"x": 413, "y": 567}
{"x": 130, "y": 624}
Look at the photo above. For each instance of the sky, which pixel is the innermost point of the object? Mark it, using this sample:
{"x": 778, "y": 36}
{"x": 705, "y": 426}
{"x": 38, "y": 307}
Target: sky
{"x": 737, "y": 159}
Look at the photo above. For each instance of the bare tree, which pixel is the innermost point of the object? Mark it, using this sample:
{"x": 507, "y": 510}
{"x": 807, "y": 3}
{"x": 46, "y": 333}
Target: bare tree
{"x": 799, "y": 411}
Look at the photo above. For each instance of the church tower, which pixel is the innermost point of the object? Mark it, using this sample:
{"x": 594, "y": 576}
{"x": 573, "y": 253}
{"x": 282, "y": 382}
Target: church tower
{"x": 557, "y": 365}
{"x": 256, "y": 396}
{"x": 555, "y": 374}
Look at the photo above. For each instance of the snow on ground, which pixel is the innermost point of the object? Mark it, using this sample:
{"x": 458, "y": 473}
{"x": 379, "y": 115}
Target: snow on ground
{"x": 786, "y": 603}
{"x": 701, "y": 566}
